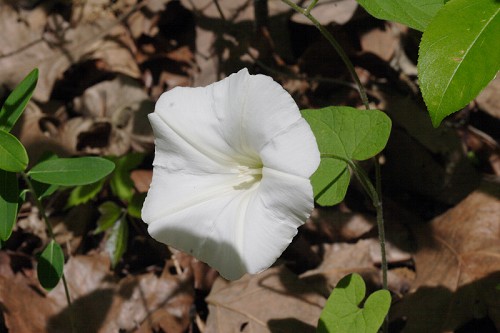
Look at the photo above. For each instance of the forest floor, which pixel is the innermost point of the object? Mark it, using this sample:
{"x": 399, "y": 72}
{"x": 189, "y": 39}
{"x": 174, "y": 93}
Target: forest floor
{"x": 102, "y": 66}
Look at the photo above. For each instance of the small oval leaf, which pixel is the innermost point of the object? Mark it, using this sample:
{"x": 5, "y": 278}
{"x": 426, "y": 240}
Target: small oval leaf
{"x": 459, "y": 55}
{"x": 116, "y": 244}
{"x": 17, "y": 100}
{"x": 9, "y": 198}
{"x": 50, "y": 265}
{"x": 72, "y": 171}
{"x": 13, "y": 156}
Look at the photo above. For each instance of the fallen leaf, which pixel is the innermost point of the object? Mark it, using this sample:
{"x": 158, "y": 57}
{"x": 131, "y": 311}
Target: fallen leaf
{"x": 489, "y": 99}
{"x": 457, "y": 267}
{"x": 53, "y": 45}
{"x": 272, "y": 301}
{"x": 363, "y": 257}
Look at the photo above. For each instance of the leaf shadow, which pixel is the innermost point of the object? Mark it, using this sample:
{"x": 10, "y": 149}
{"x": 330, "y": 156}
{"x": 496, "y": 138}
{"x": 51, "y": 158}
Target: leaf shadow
{"x": 289, "y": 325}
{"x": 88, "y": 313}
{"x": 438, "y": 309}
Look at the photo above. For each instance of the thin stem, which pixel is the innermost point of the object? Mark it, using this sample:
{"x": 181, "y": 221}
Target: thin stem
{"x": 336, "y": 46}
{"x": 377, "y": 203}
{"x": 311, "y": 6}
{"x": 50, "y": 232}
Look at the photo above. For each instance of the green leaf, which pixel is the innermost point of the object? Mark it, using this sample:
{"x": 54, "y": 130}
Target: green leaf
{"x": 121, "y": 183}
{"x": 83, "y": 193}
{"x": 110, "y": 213}
{"x": 342, "y": 313}
{"x": 459, "y": 54}
{"x": 71, "y": 171}
{"x": 414, "y": 13}
{"x": 348, "y": 134}
{"x": 135, "y": 205}
{"x": 9, "y": 198}
{"x": 116, "y": 245}
{"x": 50, "y": 265}
{"x": 17, "y": 100}
{"x": 13, "y": 156}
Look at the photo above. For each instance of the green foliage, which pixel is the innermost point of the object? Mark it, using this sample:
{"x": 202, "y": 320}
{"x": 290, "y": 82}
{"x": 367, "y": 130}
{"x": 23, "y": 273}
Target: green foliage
{"x": 121, "y": 183}
{"x": 135, "y": 205}
{"x": 13, "y": 156}
{"x": 414, "y": 13}
{"x": 342, "y": 313}
{"x": 17, "y": 100}
{"x": 9, "y": 197}
{"x": 459, "y": 54}
{"x": 50, "y": 265}
{"x": 116, "y": 244}
{"x": 343, "y": 134}
{"x": 83, "y": 193}
{"x": 72, "y": 171}
{"x": 110, "y": 213}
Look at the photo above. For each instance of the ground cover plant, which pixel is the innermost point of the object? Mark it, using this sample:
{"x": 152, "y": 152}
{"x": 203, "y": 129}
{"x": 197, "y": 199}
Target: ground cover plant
{"x": 344, "y": 153}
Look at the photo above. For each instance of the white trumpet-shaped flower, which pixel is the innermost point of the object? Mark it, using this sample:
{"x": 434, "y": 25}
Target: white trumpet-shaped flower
{"x": 231, "y": 172}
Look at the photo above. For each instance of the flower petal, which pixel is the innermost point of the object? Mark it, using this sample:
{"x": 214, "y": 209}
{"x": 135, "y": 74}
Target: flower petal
{"x": 252, "y": 109}
{"x": 282, "y": 203}
{"x": 208, "y": 224}
{"x": 293, "y": 150}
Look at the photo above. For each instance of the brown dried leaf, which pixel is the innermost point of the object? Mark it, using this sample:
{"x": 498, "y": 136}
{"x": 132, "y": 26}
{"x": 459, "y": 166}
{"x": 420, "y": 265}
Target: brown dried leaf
{"x": 489, "y": 99}
{"x": 114, "y": 119}
{"x": 272, "y": 301}
{"x": 362, "y": 257}
{"x": 101, "y": 302}
{"x": 53, "y": 45}
{"x": 457, "y": 265}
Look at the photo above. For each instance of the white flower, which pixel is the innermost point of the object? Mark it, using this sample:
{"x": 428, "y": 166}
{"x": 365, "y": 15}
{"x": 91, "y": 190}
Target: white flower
{"x": 231, "y": 172}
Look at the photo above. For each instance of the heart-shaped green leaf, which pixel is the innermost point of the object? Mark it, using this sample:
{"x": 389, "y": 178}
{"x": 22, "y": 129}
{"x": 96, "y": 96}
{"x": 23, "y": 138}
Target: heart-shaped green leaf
{"x": 459, "y": 54}
{"x": 9, "y": 197}
{"x": 13, "y": 156}
{"x": 72, "y": 171}
{"x": 348, "y": 134}
{"x": 342, "y": 313}
{"x": 50, "y": 265}
{"x": 414, "y": 13}
{"x": 17, "y": 100}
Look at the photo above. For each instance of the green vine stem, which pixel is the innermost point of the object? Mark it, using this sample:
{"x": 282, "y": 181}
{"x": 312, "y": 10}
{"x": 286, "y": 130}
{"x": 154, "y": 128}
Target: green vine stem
{"x": 335, "y": 44}
{"x": 50, "y": 232}
{"x": 372, "y": 192}
{"x": 375, "y": 192}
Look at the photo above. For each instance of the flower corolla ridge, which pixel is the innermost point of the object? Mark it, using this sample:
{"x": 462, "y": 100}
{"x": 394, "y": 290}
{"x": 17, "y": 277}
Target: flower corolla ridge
{"x": 231, "y": 172}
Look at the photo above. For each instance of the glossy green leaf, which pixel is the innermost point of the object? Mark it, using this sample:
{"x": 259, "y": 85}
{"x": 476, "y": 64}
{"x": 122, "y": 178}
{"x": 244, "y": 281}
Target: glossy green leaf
{"x": 459, "y": 54}
{"x": 9, "y": 198}
{"x": 414, "y": 13}
{"x": 121, "y": 183}
{"x": 17, "y": 100}
{"x": 110, "y": 213}
{"x": 50, "y": 265}
{"x": 72, "y": 171}
{"x": 116, "y": 244}
{"x": 342, "y": 313}
{"x": 348, "y": 134}
{"x": 13, "y": 156}
{"x": 83, "y": 193}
